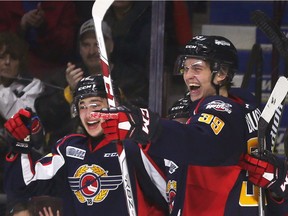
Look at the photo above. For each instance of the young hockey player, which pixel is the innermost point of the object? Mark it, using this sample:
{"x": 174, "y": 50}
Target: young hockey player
{"x": 204, "y": 176}
{"x": 87, "y": 164}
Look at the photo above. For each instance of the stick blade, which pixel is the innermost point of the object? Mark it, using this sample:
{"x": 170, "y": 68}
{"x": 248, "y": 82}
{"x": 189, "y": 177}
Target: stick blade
{"x": 99, "y": 10}
{"x": 100, "y": 7}
{"x": 277, "y": 96}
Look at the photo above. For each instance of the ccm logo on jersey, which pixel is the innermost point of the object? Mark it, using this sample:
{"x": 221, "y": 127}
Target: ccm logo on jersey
{"x": 145, "y": 118}
{"x": 113, "y": 154}
{"x": 75, "y": 152}
{"x": 219, "y": 105}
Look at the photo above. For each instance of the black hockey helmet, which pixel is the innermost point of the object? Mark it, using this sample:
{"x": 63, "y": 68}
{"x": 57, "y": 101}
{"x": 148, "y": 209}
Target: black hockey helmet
{"x": 217, "y": 50}
{"x": 90, "y": 86}
{"x": 180, "y": 109}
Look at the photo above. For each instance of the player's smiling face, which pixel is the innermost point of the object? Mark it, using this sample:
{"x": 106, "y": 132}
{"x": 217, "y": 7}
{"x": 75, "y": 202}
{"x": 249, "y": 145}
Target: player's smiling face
{"x": 197, "y": 76}
{"x": 87, "y": 106}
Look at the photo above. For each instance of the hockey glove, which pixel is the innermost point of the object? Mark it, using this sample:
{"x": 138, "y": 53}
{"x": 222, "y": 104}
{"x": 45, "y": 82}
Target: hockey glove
{"x": 121, "y": 123}
{"x": 24, "y": 131}
{"x": 268, "y": 172}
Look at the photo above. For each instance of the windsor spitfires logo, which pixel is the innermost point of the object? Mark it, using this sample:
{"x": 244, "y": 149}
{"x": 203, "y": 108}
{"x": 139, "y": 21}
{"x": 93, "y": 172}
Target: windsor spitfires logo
{"x": 219, "y": 105}
{"x": 91, "y": 184}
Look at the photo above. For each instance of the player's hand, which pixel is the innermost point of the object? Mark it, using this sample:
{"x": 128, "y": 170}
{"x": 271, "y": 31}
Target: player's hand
{"x": 122, "y": 123}
{"x": 268, "y": 172}
{"x": 24, "y": 131}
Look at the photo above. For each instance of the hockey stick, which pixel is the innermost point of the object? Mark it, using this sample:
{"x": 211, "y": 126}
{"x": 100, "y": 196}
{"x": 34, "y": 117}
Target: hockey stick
{"x": 98, "y": 11}
{"x": 272, "y": 31}
{"x": 280, "y": 42}
{"x": 277, "y": 96}
{"x": 255, "y": 64}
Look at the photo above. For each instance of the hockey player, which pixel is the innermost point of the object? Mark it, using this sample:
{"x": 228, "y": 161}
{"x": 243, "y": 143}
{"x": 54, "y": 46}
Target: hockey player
{"x": 88, "y": 164}
{"x": 203, "y": 176}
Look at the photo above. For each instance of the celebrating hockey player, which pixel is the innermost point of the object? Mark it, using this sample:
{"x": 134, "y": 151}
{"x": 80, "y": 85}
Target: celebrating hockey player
{"x": 202, "y": 156}
{"x": 87, "y": 164}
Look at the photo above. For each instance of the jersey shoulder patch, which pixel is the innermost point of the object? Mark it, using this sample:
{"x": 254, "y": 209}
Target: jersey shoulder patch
{"x": 219, "y": 106}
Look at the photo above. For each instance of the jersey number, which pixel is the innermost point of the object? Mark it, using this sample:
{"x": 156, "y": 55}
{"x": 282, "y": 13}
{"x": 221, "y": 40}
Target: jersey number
{"x": 215, "y": 123}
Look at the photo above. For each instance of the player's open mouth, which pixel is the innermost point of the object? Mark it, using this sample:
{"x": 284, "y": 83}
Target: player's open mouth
{"x": 90, "y": 123}
{"x": 194, "y": 87}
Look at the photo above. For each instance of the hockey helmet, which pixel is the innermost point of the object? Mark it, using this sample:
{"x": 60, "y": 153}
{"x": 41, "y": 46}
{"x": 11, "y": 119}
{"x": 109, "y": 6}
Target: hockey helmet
{"x": 90, "y": 86}
{"x": 180, "y": 109}
{"x": 217, "y": 50}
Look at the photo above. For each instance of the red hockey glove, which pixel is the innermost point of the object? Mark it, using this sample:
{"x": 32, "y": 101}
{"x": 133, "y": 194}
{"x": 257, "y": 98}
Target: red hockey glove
{"x": 24, "y": 131}
{"x": 138, "y": 124}
{"x": 268, "y": 172}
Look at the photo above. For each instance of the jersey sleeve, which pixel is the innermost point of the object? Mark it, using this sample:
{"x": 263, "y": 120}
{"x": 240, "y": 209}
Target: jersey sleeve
{"x": 213, "y": 136}
{"x": 29, "y": 175}
{"x": 148, "y": 174}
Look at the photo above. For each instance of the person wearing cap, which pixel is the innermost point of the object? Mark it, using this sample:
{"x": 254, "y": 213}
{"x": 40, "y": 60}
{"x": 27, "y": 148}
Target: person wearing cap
{"x": 89, "y": 53}
{"x": 85, "y": 165}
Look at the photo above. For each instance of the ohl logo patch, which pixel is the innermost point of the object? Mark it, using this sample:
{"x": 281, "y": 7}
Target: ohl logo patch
{"x": 91, "y": 184}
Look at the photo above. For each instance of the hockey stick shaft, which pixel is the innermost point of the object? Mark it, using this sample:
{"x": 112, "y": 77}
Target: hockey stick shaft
{"x": 98, "y": 11}
{"x": 277, "y": 96}
{"x": 255, "y": 65}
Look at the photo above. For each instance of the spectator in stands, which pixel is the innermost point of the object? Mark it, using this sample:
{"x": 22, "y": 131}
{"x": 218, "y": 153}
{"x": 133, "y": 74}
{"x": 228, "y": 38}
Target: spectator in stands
{"x": 39, "y": 205}
{"x": 89, "y": 53}
{"x": 50, "y": 28}
{"x": 17, "y": 89}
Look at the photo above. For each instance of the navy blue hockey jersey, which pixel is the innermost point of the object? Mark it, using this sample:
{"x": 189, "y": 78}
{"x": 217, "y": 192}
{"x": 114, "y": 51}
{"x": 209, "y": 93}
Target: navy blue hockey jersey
{"x": 89, "y": 177}
{"x": 203, "y": 176}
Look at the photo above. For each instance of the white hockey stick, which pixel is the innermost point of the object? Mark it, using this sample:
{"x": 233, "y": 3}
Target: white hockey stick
{"x": 276, "y": 97}
{"x": 98, "y": 11}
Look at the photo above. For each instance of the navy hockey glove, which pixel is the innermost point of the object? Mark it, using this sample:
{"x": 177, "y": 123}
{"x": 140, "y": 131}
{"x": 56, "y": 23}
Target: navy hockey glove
{"x": 24, "y": 131}
{"x": 121, "y": 123}
{"x": 268, "y": 172}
